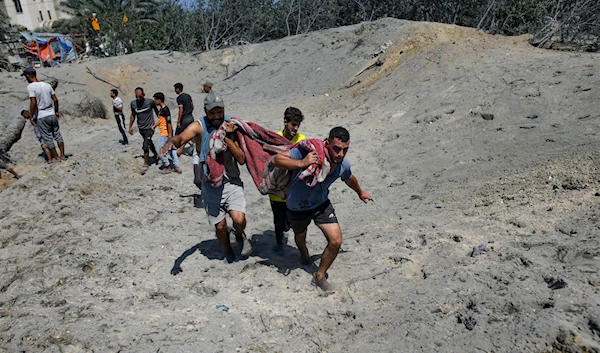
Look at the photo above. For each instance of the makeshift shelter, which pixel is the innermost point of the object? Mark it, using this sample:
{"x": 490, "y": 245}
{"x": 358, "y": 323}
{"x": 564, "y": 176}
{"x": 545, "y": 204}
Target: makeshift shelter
{"x": 49, "y": 46}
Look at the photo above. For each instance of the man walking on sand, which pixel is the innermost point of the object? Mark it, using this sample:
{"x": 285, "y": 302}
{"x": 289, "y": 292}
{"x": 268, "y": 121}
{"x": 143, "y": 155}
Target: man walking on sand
{"x": 166, "y": 132}
{"x": 117, "y": 104}
{"x": 292, "y": 118}
{"x": 306, "y": 204}
{"x": 229, "y": 197}
{"x": 184, "y": 116}
{"x": 44, "y": 104}
{"x": 141, "y": 108}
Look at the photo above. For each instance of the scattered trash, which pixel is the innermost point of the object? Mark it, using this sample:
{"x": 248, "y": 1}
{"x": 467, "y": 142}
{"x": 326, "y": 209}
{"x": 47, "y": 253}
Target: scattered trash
{"x": 225, "y": 308}
{"x": 479, "y": 250}
{"x": 468, "y": 321}
{"x": 326, "y": 94}
{"x": 555, "y": 283}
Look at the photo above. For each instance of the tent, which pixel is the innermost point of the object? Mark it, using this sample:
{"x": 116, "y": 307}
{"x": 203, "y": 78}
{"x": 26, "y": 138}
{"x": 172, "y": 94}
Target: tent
{"x": 49, "y": 46}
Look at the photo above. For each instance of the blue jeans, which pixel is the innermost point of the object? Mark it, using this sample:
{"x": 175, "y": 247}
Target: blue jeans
{"x": 173, "y": 153}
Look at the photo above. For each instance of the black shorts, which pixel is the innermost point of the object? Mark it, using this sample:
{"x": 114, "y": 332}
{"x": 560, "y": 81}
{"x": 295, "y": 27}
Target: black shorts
{"x": 185, "y": 122}
{"x": 323, "y": 214}
{"x": 147, "y": 135}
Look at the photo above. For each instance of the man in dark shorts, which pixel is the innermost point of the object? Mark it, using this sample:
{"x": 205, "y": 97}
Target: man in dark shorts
{"x": 142, "y": 108}
{"x": 185, "y": 116}
{"x": 306, "y": 204}
{"x": 292, "y": 118}
{"x": 117, "y": 104}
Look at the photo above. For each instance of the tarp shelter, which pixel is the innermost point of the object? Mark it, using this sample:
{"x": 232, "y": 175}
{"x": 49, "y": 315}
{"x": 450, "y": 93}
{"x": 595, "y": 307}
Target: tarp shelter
{"x": 49, "y": 46}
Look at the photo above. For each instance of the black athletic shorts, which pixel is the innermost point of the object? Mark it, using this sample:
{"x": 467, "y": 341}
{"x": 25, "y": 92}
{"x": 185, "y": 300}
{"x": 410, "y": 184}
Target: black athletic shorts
{"x": 147, "y": 135}
{"x": 322, "y": 214}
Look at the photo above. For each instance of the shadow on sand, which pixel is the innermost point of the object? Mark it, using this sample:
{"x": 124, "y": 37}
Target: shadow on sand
{"x": 284, "y": 257}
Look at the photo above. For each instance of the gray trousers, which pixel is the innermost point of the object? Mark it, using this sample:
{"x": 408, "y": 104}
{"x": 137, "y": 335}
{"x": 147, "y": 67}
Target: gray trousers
{"x": 49, "y": 130}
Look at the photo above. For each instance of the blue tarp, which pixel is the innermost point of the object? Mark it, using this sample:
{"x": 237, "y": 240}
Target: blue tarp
{"x": 63, "y": 44}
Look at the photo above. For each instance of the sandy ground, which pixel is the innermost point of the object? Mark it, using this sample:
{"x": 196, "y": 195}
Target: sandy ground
{"x": 482, "y": 154}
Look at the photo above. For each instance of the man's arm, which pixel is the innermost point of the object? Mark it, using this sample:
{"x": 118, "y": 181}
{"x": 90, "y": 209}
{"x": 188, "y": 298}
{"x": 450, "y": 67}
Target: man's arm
{"x": 117, "y": 107}
{"x": 55, "y": 100}
{"x": 236, "y": 151}
{"x": 169, "y": 129}
{"x": 155, "y": 108}
{"x": 179, "y": 115}
{"x": 353, "y": 184}
{"x": 32, "y": 108}
{"x": 284, "y": 161}
{"x": 131, "y": 121}
{"x": 193, "y": 130}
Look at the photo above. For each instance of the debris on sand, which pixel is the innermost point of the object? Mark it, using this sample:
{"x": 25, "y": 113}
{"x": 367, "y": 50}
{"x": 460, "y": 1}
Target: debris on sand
{"x": 479, "y": 250}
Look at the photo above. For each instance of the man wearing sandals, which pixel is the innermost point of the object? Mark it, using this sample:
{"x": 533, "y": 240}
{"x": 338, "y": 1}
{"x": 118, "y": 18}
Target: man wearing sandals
{"x": 43, "y": 101}
{"x": 142, "y": 108}
{"x": 229, "y": 197}
{"x": 306, "y": 203}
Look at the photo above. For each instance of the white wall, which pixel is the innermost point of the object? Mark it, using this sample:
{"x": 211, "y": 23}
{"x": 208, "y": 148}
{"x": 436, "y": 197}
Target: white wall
{"x": 35, "y": 13}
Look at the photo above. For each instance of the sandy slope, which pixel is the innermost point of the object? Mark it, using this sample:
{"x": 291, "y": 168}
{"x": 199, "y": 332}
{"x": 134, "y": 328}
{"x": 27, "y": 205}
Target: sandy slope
{"x": 463, "y": 139}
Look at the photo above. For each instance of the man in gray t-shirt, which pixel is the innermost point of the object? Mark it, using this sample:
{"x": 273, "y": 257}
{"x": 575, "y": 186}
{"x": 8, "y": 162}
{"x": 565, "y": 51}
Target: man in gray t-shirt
{"x": 142, "y": 108}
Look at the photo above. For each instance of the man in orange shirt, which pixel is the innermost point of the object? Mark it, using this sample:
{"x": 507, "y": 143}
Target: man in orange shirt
{"x": 166, "y": 132}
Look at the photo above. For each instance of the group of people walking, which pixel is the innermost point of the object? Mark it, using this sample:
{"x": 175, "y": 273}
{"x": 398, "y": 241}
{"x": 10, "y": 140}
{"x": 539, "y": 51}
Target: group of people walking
{"x": 305, "y": 202}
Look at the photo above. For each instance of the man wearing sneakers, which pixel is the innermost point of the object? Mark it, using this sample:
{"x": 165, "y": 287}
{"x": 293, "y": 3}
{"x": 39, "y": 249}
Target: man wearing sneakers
{"x": 306, "y": 204}
{"x": 44, "y": 104}
{"x": 142, "y": 108}
{"x": 117, "y": 104}
{"x": 292, "y": 118}
{"x": 229, "y": 197}
{"x": 184, "y": 116}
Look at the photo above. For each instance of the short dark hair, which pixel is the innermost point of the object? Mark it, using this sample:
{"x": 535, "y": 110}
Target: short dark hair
{"x": 179, "y": 86}
{"x": 293, "y": 114}
{"x": 140, "y": 89}
{"x": 23, "y": 112}
{"x": 160, "y": 96}
{"x": 340, "y": 133}
{"x": 115, "y": 92}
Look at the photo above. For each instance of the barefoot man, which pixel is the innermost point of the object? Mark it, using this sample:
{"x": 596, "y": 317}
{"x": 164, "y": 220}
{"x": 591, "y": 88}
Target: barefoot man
{"x": 306, "y": 204}
{"x": 229, "y": 197}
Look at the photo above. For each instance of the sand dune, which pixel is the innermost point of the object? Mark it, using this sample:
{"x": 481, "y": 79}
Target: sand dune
{"x": 481, "y": 152}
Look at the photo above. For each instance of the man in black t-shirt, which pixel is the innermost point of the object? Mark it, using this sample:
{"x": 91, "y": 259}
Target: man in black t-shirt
{"x": 141, "y": 108}
{"x": 184, "y": 116}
